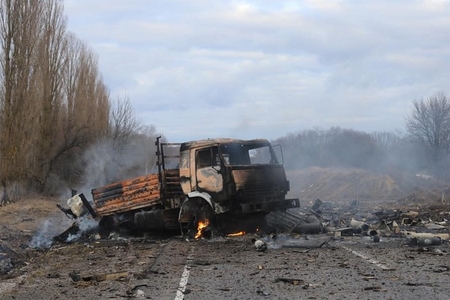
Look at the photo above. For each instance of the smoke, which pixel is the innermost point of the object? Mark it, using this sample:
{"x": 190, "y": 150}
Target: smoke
{"x": 49, "y": 229}
{"x": 85, "y": 226}
{"x": 338, "y": 147}
{"x": 55, "y": 226}
{"x": 111, "y": 161}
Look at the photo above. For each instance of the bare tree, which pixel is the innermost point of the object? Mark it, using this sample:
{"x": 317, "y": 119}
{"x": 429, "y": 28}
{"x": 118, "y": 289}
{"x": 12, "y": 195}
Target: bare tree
{"x": 385, "y": 139}
{"x": 19, "y": 35}
{"x": 50, "y": 58}
{"x": 84, "y": 116}
{"x": 53, "y": 101}
{"x": 123, "y": 121}
{"x": 429, "y": 123}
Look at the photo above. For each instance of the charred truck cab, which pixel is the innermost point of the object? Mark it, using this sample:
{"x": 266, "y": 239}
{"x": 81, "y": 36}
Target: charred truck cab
{"x": 215, "y": 183}
{"x": 234, "y": 179}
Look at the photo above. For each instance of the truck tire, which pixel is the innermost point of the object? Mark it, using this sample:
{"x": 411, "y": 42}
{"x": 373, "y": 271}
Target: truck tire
{"x": 194, "y": 211}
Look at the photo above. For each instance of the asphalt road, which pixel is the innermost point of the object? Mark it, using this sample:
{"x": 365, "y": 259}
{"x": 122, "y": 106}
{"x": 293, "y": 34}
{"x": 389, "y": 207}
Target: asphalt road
{"x": 293, "y": 267}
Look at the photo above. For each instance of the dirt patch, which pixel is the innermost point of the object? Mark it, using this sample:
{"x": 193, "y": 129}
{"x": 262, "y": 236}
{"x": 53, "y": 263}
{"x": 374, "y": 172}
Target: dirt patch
{"x": 22, "y": 219}
{"x": 350, "y": 184}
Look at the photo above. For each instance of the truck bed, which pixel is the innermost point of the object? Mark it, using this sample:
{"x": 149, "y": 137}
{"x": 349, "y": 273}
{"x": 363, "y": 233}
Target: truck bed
{"x": 136, "y": 193}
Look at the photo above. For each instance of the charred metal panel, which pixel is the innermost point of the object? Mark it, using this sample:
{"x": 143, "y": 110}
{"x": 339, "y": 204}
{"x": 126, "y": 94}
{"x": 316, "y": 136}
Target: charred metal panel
{"x": 209, "y": 142}
{"x": 185, "y": 173}
{"x": 185, "y": 180}
{"x": 156, "y": 219}
{"x": 171, "y": 179}
{"x": 263, "y": 182}
{"x": 267, "y": 206}
{"x": 209, "y": 179}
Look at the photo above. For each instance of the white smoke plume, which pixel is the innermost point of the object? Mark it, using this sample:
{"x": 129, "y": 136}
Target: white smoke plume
{"x": 85, "y": 226}
{"x": 52, "y": 227}
{"x": 48, "y": 229}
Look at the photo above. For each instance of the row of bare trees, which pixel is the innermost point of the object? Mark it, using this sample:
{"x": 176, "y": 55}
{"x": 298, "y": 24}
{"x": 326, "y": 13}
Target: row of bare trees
{"x": 425, "y": 147}
{"x": 53, "y": 102}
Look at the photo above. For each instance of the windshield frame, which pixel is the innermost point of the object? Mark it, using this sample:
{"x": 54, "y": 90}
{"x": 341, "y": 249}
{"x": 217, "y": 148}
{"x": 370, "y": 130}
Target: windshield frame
{"x": 242, "y": 154}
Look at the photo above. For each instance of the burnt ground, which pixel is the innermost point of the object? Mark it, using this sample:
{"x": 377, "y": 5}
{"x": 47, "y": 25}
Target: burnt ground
{"x": 156, "y": 266}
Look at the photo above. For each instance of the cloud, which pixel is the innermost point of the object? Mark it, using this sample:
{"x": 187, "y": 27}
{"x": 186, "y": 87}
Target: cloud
{"x": 247, "y": 69}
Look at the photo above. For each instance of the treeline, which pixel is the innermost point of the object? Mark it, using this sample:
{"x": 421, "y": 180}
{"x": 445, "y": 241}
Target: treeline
{"x": 424, "y": 148}
{"x": 338, "y": 147}
{"x": 54, "y": 105}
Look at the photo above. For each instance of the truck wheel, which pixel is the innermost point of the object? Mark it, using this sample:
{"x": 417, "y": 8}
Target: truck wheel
{"x": 106, "y": 225}
{"x": 194, "y": 212}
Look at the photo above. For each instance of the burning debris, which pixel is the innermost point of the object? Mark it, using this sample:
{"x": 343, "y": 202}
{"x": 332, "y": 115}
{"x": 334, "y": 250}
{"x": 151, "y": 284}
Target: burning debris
{"x": 239, "y": 233}
{"x": 201, "y": 228}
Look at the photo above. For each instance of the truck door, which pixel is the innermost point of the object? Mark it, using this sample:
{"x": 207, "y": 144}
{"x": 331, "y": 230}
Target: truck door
{"x": 208, "y": 170}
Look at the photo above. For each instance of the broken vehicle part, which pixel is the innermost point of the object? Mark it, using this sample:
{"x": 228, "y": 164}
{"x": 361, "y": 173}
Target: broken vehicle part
{"x": 411, "y": 234}
{"x": 98, "y": 277}
{"x": 421, "y": 241}
{"x": 293, "y": 221}
{"x": 260, "y": 245}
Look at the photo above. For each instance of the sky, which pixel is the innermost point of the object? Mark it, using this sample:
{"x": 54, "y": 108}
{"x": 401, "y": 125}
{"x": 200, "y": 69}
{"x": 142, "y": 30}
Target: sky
{"x": 266, "y": 69}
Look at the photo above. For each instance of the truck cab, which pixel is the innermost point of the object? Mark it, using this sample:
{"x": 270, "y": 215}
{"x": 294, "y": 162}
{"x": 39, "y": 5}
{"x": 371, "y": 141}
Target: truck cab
{"x": 233, "y": 177}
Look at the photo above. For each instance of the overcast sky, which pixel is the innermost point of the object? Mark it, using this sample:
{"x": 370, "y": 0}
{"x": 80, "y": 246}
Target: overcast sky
{"x": 264, "y": 69}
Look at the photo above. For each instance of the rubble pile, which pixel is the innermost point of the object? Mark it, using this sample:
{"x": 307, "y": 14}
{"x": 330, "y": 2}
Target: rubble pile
{"x": 423, "y": 224}
{"x": 9, "y": 259}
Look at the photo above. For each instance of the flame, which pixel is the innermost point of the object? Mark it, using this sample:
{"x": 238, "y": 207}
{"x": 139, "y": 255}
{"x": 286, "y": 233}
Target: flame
{"x": 236, "y": 233}
{"x": 201, "y": 225}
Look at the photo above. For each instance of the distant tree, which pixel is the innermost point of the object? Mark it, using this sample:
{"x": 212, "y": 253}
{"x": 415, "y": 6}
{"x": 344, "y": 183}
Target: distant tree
{"x": 123, "y": 122}
{"x": 386, "y": 140}
{"x": 429, "y": 123}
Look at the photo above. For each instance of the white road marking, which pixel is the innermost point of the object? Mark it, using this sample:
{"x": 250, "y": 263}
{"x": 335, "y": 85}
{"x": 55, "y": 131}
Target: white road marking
{"x": 185, "y": 275}
{"x": 371, "y": 260}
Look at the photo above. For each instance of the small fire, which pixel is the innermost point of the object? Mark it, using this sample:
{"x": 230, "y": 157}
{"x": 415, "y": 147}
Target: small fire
{"x": 236, "y": 233}
{"x": 201, "y": 225}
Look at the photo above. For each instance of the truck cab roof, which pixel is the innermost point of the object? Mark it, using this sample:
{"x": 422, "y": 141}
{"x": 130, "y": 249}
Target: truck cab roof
{"x": 221, "y": 141}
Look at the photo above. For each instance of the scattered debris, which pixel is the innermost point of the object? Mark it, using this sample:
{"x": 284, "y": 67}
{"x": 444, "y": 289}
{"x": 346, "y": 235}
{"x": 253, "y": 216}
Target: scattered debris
{"x": 421, "y": 241}
{"x": 310, "y": 243}
{"x": 98, "y": 277}
{"x": 260, "y": 245}
{"x": 293, "y": 281}
{"x": 421, "y": 227}
{"x": 10, "y": 259}
{"x": 373, "y": 288}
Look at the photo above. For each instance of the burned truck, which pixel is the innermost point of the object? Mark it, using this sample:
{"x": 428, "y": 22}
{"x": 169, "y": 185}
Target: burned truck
{"x": 225, "y": 184}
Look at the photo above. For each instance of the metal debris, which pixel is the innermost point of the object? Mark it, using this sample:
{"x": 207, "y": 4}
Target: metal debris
{"x": 260, "y": 245}
{"x": 98, "y": 277}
